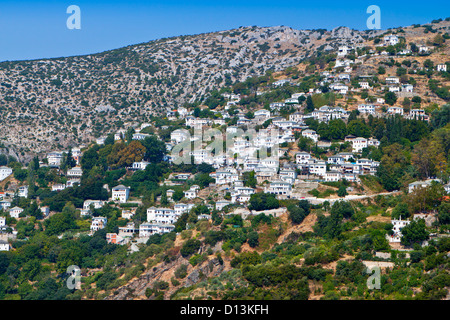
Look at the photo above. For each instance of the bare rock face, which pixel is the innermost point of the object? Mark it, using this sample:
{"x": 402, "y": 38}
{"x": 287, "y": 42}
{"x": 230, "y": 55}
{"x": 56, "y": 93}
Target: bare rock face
{"x": 9, "y": 151}
{"x": 210, "y": 268}
{"x": 136, "y": 288}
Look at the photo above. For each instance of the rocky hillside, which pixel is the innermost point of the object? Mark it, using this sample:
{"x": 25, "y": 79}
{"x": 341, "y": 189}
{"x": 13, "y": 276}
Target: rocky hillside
{"x": 53, "y": 103}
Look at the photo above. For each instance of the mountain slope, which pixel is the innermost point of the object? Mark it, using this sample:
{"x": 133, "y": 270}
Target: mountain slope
{"x": 53, "y": 103}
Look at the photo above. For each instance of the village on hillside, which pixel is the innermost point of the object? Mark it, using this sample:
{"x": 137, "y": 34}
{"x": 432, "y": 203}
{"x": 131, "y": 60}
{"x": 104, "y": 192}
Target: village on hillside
{"x": 353, "y": 133}
{"x": 284, "y": 174}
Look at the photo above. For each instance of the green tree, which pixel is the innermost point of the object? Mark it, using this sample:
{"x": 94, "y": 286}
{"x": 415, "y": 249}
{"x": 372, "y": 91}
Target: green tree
{"x": 249, "y": 179}
{"x": 400, "y": 210}
{"x": 190, "y": 247}
{"x": 414, "y": 232}
{"x": 253, "y": 239}
{"x": 390, "y": 98}
{"x": 164, "y": 200}
{"x": 309, "y": 104}
{"x": 61, "y": 222}
{"x": 444, "y": 213}
{"x": 34, "y": 211}
{"x": 296, "y": 214}
{"x": 263, "y": 201}
{"x": 342, "y": 191}
{"x": 155, "y": 149}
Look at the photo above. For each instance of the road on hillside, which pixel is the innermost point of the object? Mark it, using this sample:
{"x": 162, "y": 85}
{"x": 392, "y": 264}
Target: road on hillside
{"x": 315, "y": 200}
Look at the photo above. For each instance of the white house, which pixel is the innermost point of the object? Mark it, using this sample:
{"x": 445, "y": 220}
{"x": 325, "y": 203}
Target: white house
{"x": 392, "y": 80}
{"x": 397, "y": 225}
{"x": 291, "y": 101}
{"x": 224, "y": 177}
{"x": 5, "y": 205}
{"x": 418, "y": 114}
{"x": 100, "y": 140}
{"x": 373, "y": 142}
{"x": 311, "y": 134}
{"x": 394, "y": 89}
{"x": 58, "y": 187}
{"x": 23, "y": 192}
{"x": 282, "y": 82}
{"x": 335, "y": 160}
{"x": 181, "y": 176}
{"x": 423, "y": 49}
{"x": 407, "y": 88}
{"x": 222, "y": 204}
{"x": 367, "y": 108}
{"x": 191, "y": 193}
{"x": 15, "y": 212}
{"x": 96, "y": 203}
{"x": 302, "y": 157}
{"x": 148, "y": 229}
{"x": 277, "y": 105}
{"x": 364, "y": 85}
{"x": 317, "y": 167}
{"x": 141, "y": 165}
{"x": 140, "y": 136}
{"x": 120, "y": 193}
{"x": 288, "y": 175}
{"x": 45, "y": 211}
{"x": 5, "y": 172}
{"x": 54, "y": 158}
{"x": 71, "y": 182}
{"x": 280, "y": 188}
{"x": 98, "y": 223}
{"x": 420, "y": 184}
{"x": 332, "y": 176}
{"x": 262, "y": 114}
{"x": 441, "y": 67}
{"x": 359, "y": 144}
{"x": 391, "y": 40}
{"x": 181, "y": 208}
{"x": 296, "y": 117}
{"x": 76, "y": 154}
{"x": 404, "y": 52}
{"x": 4, "y": 246}
{"x": 395, "y": 110}
{"x": 447, "y": 188}
{"x": 343, "y": 51}
{"x": 119, "y": 135}
{"x": 241, "y": 194}
{"x": 127, "y": 214}
{"x": 2, "y": 221}
{"x": 161, "y": 215}
{"x": 179, "y": 135}
{"x": 75, "y": 172}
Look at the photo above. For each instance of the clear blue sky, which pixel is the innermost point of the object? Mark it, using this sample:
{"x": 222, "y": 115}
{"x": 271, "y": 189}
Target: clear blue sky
{"x": 37, "y": 29}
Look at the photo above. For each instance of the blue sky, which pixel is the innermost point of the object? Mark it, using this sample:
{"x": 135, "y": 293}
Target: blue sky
{"x": 37, "y": 29}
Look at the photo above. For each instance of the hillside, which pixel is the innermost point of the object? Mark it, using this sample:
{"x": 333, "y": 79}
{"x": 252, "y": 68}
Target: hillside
{"x": 53, "y": 103}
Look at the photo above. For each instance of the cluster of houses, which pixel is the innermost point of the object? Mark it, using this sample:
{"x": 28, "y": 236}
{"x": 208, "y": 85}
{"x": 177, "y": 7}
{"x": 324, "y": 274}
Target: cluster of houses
{"x": 8, "y": 232}
{"x": 258, "y": 151}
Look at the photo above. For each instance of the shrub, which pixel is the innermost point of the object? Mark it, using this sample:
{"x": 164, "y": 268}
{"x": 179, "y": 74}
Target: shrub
{"x": 190, "y": 247}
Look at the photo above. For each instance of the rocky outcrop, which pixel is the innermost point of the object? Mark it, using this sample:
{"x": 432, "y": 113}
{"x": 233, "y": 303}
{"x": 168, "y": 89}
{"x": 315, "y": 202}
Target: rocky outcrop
{"x": 136, "y": 288}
